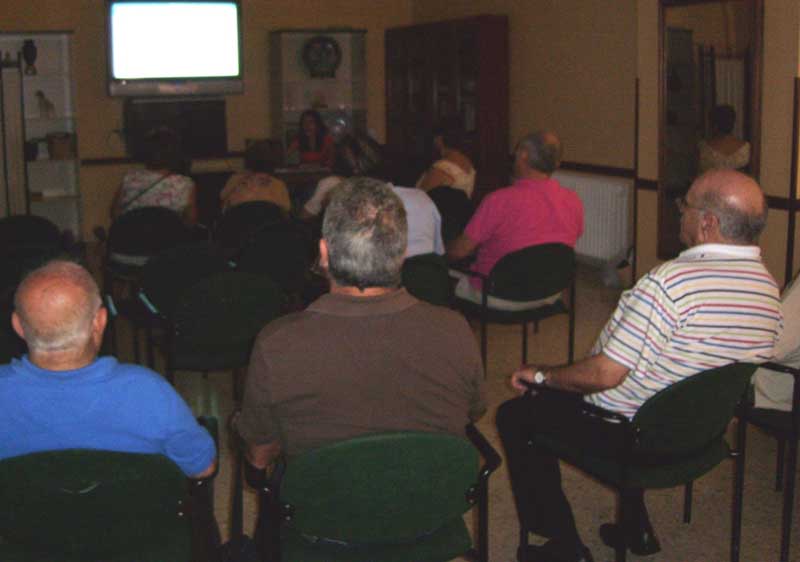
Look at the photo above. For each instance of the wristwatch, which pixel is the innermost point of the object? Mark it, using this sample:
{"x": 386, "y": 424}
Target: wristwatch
{"x": 540, "y": 378}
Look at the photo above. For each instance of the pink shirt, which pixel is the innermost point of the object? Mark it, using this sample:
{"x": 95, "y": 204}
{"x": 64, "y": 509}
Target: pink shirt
{"x": 527, "y": 213}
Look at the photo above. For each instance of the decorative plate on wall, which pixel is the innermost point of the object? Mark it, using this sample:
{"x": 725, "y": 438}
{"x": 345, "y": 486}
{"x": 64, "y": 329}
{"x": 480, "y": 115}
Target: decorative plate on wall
{"x": 322, "y": 56}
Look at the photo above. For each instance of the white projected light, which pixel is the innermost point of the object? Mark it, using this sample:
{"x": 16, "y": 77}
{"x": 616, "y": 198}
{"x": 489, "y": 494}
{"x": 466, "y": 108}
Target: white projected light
{"x": 174, "y": 47}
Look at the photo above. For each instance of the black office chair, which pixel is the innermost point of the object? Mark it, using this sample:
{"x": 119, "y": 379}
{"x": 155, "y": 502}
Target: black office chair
{"x": 135, "y": 237}
{"x": 529, "y": 274}
{"x": 28, "y": 231}
{"x": 675, "y": 437}
{"x": 785, "y": 427}
{"x": 392, "y": 497}
{"x": 426, "y": 276}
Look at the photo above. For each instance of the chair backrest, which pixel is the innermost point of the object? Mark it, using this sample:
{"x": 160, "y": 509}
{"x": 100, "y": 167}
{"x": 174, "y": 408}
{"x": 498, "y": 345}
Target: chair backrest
{"x": 225, "y": 311}
{"x": 455, "y": 209}
{"x": 426, "y": 277}
{"x": 28, "y": 231}
{"x": 146, "y": 231}
{"x": 690, "y": 414}
{"x": 238, "y": 226}
{"x": 282, "y": 253}
{"x": 384, "y": 488}
{"x": 93, "y": 504}
{"x": 166, "y": 275}
{"x": 533, "y": 273}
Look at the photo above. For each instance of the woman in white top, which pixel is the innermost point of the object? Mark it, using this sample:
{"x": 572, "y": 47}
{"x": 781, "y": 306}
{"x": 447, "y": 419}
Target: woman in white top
{"x": 453, "y": 168}
{"x": 724, "y": 149}
{"x": 159, "y": 184}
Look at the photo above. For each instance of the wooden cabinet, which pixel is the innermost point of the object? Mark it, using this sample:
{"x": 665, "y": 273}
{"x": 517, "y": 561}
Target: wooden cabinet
{"x": 38, "y": 139}
{"x": 444, "y": 70}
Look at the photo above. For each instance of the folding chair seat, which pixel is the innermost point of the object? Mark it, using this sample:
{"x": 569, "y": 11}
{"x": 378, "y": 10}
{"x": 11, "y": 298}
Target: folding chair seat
{"x": 392, "y": 497}
{"x": 426, "y": 277}
{"x": 80, "y": 505}
{"x": 526, "y": 276}
{"x": 675, "y": 437}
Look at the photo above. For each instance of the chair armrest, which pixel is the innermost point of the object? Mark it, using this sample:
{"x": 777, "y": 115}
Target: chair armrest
{"x": 781, "y": 368}
{"x": 463, "y": 267}
{"x": 490, "y": 456}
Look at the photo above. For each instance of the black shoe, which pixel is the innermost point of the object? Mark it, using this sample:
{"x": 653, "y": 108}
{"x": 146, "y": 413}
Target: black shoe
{"x": 554, "y": 551}
{"x": 643, "y": 543}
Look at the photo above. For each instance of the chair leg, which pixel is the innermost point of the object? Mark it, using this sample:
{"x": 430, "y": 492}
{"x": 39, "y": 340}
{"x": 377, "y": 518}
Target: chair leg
{"x": 523, "y": 544}
{"x": 738, "y": 491}
{"x": 780, "y": 463}
{"x": 524, "y": 343}
{"x": 621, "y": 550}
{"x": 788, "y": 501}
{"x": 687, "y": 502}
{"x": 571, "y": 321}
{"x": 135, "y": 334}
{"x": 483, "y": 345}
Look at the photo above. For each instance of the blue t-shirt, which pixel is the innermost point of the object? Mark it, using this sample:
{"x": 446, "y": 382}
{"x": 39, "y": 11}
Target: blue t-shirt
{"x": 105, "y": 405}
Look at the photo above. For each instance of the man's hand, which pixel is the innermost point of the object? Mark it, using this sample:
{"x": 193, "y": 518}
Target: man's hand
{"x": 524, "y": 373}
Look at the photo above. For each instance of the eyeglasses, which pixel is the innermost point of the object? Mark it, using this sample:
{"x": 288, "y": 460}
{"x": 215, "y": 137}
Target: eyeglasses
{"x": 684, "y": 205}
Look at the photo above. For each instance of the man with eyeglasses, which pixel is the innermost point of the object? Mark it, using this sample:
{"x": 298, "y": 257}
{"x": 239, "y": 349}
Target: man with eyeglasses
{"x": 713, "y": 305}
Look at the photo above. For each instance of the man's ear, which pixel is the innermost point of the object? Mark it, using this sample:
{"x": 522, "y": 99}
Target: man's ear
{"x": 99, "y": 322}
{"x": 17, "y": 325}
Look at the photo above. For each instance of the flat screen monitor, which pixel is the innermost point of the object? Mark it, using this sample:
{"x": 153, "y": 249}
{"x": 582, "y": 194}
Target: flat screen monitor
{"x": 179, "y": 47}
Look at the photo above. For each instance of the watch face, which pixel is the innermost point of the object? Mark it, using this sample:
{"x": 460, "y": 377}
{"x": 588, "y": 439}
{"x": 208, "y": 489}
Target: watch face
{"x": 322, "y": 56}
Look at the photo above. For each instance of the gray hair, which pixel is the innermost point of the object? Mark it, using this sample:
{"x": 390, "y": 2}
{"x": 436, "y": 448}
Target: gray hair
{"x": 70, "y": 331}
{"x": 543, "y": 154}
{"x": 366, "y": 232}
{"x": 735, "y": 224}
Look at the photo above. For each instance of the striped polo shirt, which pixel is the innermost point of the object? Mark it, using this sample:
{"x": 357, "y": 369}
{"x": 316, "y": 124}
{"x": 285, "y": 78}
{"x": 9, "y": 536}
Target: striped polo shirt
{"x": 713, "y": 305}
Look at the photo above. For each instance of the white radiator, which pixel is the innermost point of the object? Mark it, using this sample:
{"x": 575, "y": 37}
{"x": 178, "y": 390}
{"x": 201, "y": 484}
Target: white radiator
{"x": 606, "y": 205}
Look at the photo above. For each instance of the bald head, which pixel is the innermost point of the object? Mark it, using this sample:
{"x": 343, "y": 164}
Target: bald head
{"x": 55, "y": 308}
{"x": 736, "y": 200}
{"x": 543, "y": 150}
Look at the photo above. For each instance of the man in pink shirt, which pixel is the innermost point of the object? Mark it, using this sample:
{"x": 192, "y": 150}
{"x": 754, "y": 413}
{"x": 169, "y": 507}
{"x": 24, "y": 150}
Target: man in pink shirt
{"x": 534, "y": 210}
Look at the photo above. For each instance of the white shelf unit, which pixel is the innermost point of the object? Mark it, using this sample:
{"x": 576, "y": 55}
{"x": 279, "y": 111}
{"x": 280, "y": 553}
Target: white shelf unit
{"x": 39, "y": 162}
{"x": 293, "y": 89}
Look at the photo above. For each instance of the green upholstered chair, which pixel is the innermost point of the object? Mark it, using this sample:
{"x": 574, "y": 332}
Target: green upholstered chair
{"x": 392, "y": 497}
{"x": 785, "y": 427}
{"x": 426, "y": 277}
{"x": 215, "y": 321}
{"x": 529, "y": 274}
{"x": 675, "y": 437}
{"x": 89, "y": 505}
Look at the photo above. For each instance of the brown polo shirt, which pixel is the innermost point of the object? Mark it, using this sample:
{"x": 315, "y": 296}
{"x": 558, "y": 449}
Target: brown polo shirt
{"x": 348, "y": 366}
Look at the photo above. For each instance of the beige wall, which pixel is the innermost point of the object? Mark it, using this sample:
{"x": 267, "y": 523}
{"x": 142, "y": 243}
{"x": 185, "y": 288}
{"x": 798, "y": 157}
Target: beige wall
{"x": 100, "y": 115}
{"x": 727, "y": 26}
{"x": 572, "y": 66}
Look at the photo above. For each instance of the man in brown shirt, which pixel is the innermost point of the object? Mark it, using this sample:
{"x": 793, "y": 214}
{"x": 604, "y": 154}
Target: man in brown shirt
{"x": 367, "y": 357}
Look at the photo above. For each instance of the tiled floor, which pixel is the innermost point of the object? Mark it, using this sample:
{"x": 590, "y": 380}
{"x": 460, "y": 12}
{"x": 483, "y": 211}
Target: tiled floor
{"x": 706, "y": 539}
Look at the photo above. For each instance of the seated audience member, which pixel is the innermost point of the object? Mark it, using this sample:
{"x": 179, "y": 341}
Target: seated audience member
{"x": 257, "y": 183}
{"x": 359, "y": 155}
{"x": 372, "y": 357}
{"x": 160, "y": 183}
{"x": 534, "y": 210}
{"x": 775, "y": 390}
{"x": 724, "y": 150}
{"x": 62, "y": 396}
{"x": 313, "y": 145}
{"x": 452, "y": 168}
{"x": 713, "y": 305}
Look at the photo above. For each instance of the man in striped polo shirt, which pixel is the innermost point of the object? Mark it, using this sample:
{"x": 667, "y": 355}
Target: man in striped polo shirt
{"x": 714, "y": 304}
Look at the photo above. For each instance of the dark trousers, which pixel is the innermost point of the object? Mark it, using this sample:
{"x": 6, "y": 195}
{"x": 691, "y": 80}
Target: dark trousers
{"x": 535, "y": 475}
